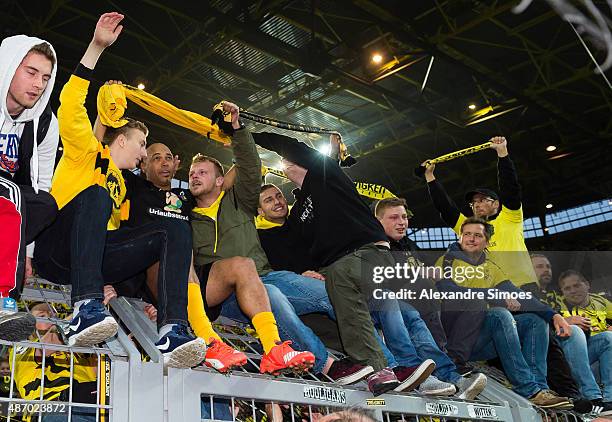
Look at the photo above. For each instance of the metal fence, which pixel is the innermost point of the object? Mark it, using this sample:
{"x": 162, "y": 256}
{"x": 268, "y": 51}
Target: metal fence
{"x": 126, "y": 380}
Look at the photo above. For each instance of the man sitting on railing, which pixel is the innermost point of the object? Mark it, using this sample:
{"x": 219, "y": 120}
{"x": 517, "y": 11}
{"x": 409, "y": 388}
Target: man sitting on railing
{"x": 86, "y": 245}
{"x": 520, "y": 340}
{"x": 223, "y": 229}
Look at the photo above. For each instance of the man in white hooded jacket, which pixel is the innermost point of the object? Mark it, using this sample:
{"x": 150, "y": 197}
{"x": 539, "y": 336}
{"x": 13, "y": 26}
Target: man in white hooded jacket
{"x": 28, "y": 145}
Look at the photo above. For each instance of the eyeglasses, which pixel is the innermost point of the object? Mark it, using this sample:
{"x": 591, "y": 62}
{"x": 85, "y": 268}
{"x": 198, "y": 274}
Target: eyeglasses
{"x": 479, "y": 201}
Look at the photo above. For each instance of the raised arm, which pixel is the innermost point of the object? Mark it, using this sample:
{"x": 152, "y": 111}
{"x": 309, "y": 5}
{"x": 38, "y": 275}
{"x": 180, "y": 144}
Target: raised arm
{"x": 74, "y": 125}
{"x": 507, "y": 179}
{"x": 449, "y": 212}
{"x": 289, "y": 148}
{"x": 248, "y": 163}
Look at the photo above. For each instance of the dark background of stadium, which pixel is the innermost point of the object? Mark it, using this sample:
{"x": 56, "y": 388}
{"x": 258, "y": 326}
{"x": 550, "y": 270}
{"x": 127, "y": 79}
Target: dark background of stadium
{"x": 310, "y": 62}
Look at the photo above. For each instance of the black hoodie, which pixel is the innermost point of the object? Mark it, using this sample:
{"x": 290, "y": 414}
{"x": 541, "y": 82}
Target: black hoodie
{"x": 330, "y": 215}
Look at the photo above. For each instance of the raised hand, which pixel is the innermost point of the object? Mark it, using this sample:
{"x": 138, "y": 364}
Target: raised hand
{"x": 429, "y": 171}
{"x": 107, "y": 29}
{"x": 234, "y": 111}
{"x": 500, "y": 145}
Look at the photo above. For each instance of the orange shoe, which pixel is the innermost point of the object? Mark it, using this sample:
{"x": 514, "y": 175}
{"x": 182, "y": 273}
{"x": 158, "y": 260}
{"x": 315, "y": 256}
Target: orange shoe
{"x": 223, "y": 357}
{"x": 283, "y": 357}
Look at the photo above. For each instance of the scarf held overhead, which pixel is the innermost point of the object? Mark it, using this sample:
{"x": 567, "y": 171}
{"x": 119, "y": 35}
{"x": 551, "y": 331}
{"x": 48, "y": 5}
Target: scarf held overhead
{"x": 112, "y": 103}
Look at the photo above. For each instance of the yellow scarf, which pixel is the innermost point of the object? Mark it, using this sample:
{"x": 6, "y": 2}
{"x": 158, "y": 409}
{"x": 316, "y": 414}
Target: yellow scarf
{"x": 112, "y": 103}
{"x": 369, "y": 190}
{"x": 262, "y": 224}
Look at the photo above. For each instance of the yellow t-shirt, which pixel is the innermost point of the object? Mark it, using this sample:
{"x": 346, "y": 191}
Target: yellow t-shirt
{"x": 599, "y": 311}
{"x": 85, "y": 161}
{"x": 507, "y": 238}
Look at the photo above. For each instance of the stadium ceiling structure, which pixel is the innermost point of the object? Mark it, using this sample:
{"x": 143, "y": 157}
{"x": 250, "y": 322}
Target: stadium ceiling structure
{"x": 527, "y": 77}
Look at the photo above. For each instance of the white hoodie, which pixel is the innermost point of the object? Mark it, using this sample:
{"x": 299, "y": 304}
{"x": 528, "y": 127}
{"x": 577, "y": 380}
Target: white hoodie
{"x": 12, "y": 51}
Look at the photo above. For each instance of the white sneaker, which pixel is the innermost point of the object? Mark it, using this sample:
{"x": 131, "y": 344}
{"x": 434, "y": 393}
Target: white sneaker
{"x": 470, "y": 388}
{"x": 432, "y": 386}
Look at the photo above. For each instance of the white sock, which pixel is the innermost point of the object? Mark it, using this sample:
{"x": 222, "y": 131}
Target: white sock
{"x": 77, "y": 305}
{"x": 165, "y": 329}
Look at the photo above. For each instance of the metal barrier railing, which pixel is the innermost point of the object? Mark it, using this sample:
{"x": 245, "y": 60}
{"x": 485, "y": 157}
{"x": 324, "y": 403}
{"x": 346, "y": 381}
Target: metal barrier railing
{"x": 128, "y": 379}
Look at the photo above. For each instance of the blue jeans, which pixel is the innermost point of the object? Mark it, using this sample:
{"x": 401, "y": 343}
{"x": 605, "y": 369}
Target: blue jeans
{"x": 502, "y": 335}
{"x": 582, "y": 352}
{"x": 410, "y": 341}
{"x": 221, "y": 408}
{"x": 290, "y": 326}
{"x": 77, "y": 249}
{"x": 308, "y": 295}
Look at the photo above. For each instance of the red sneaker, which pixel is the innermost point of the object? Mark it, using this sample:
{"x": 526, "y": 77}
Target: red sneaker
{"x": 282, "y": 357}
{"x": 223, "y": 357}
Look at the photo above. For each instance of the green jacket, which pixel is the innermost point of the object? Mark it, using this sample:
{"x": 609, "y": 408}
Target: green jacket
{"x": 234, "y": 233}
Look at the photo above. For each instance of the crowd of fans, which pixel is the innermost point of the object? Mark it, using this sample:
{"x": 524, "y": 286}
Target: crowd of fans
{"x": 228, "y": 246}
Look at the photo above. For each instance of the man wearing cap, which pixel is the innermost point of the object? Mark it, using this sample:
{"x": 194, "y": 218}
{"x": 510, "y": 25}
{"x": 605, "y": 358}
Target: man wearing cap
{"x": 503, "y": 211}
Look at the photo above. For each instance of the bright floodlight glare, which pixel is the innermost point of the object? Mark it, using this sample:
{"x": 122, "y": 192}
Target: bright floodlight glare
{"x": 141, "y": 86}
{"x": 551, "y": 148}
{"x": 472, "y": 106}
{"x": 549, "y": 206}
{"x": 377, "y": 58}
{"x": 324, "y": 149}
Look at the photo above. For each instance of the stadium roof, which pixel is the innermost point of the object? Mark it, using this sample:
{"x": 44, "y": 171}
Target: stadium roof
{"x": 310, "y": 62}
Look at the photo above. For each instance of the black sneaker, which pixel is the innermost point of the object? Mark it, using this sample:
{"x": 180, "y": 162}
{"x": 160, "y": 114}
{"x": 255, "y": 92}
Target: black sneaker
{"x": 93, "y": 324}
{"x": 582, "y": 405}
{"x": 602, "y": 408}
{"x": 345, "y": 372}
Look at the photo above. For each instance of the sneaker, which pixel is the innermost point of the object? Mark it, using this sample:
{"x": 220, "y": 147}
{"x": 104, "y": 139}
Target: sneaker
{"x": 432, "y": 386}
{"x": 471, "y": 387}
{"x": 180, "y": 349}
{"x": 547, "y": 399}
{"x": 14, "y": 325}
{"x": 410, "y": 377}
{"x": 582, "y": 405}
{"x": 382, "y": 381}
{"x": 223, "y": 357}
{"x": 93, "y": 324}
{"x": 602, "y": 408}
{"x": 283, "y": 357}
{"x": 345, "y": 372}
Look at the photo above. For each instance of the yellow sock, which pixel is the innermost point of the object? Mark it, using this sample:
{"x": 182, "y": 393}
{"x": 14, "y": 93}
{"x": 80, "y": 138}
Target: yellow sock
{"x": 266, "y": 328}
{"x": 197, "y": 316}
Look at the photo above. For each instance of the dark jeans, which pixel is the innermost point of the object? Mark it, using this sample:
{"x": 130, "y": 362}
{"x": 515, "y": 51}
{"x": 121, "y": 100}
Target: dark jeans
{"x": 559, "y": 372}
{"x": 462, "y": 321}
{"x": 77, "y": 249}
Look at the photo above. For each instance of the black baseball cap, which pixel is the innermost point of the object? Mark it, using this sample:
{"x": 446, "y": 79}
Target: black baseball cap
{"x": 483, "y": 191}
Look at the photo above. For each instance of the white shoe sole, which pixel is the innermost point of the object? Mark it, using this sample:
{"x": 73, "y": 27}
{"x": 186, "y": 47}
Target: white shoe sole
{"x": 95, "y": 334}
{"x": 417, "y": 377}
{"x": 357, "y": 376}
{"x": 16, "y": 326}
{"x": 446, "y": 391}
{"x": 478, "y": 384}
{"x": 187, "y": 355}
